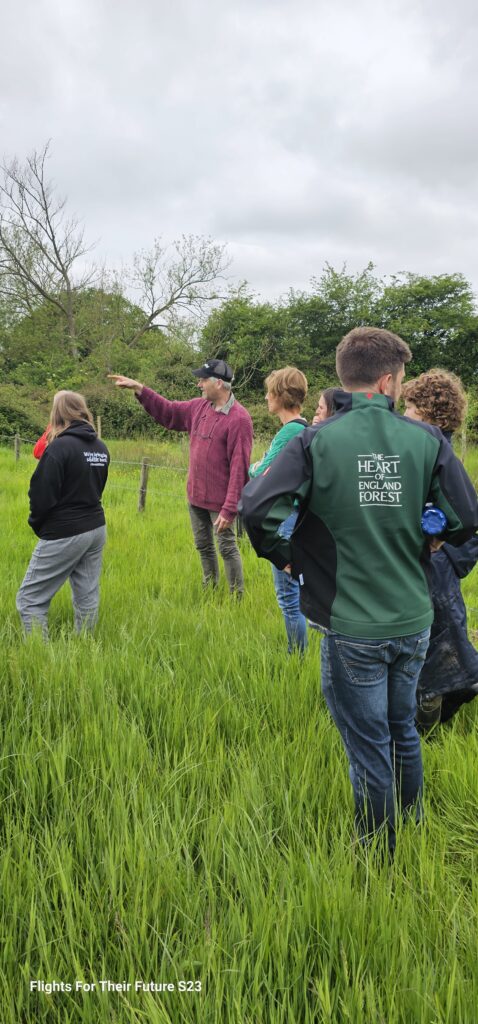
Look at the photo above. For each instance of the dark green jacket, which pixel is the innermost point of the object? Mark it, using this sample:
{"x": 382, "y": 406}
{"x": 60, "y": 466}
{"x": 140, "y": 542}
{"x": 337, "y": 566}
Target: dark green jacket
{"x": 362, "y": 479}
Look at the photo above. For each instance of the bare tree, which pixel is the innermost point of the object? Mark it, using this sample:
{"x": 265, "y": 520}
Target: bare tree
{"x": 176, "y": 278}
{"x": 39, "y": 243}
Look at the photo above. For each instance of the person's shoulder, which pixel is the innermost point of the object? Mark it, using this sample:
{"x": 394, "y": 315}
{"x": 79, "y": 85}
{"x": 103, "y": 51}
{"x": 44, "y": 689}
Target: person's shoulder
{"x": 420, "y": 425}
{"x": 293, "y": 427}
{"x": 309, "y": 432}
{"x": 240, "y": 411}
{"x": 56, "y": 448}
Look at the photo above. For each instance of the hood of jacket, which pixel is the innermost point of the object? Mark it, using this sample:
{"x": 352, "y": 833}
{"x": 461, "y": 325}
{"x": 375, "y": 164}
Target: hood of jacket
{"x": 81, "y": 429}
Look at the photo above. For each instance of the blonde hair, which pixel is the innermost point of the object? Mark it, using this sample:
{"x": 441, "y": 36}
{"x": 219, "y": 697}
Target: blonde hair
{"x": 289, "y": 385}
{"x": 67, "y": 407}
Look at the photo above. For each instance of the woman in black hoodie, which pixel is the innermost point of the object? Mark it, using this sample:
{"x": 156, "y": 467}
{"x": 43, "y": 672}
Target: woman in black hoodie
{"x": 67, "y": 516}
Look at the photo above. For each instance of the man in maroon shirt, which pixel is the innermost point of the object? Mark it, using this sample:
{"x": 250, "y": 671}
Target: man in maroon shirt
{"x": 220, "y": 432}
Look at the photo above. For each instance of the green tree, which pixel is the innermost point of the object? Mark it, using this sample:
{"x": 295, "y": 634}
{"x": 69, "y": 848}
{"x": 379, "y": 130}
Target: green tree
{"x": 337, "y": 302}
{"x": 250, "y": 335}
{"x": 33, "y": 347}
{"x": 436, "y": 316}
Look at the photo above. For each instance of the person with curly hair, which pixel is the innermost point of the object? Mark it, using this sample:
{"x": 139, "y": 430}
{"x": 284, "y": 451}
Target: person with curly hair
{"x": 436, "y": 397}
{"x": 449, "y": 677}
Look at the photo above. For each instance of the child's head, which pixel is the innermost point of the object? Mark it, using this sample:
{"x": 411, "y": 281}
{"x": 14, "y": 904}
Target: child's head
{"x": 437, "y": 397}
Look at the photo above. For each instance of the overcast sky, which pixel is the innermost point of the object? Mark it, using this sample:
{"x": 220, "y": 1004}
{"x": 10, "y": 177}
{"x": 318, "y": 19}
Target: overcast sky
{"x": 298, "y": 132}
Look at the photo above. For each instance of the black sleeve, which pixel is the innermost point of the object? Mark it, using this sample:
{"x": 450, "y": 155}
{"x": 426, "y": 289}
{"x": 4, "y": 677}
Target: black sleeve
{"x": 464, "y": 558}
{"x": 269, "y": 499}
{"x": 453, "y": 492}
{"x": 45, "y": 489}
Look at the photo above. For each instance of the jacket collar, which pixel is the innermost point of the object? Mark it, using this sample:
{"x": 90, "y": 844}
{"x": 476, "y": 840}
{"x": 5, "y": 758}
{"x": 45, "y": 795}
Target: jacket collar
{"x": 346, "y": 400}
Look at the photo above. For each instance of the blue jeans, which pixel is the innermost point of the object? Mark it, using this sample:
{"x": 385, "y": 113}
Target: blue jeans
{"x": 370, "y": 689}
{"x": 288, "y": 594}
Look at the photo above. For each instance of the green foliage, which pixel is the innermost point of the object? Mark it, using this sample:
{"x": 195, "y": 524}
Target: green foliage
{"x": 33, "y": 352}
{"x": 34, "y": 349}
{"x": 469, "y": 431}
{"x": 176, "y": 804}
{"x": 265, "y": 426}
{"x": 249, "y": 335}
{"x": 103, "y": 317}
{"x": 337, "y": 302}
{"x": 23, "y": 411}
{"x": 435, "y": 315}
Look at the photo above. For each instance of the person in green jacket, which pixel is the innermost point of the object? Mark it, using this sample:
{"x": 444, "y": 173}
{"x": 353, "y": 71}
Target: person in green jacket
{"x": 285, "y": 396}
{"x": 362, "y": 478}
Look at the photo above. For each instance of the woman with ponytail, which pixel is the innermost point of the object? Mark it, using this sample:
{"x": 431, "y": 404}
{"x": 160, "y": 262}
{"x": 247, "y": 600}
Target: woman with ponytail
{"x": 67, "y": 516}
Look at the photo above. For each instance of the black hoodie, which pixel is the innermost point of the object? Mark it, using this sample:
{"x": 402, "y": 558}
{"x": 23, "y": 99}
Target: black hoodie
{"x": 67, "y": 485}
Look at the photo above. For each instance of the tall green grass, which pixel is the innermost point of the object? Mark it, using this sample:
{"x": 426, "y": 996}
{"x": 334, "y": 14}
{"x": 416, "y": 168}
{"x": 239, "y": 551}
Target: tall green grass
{"x": 175, "y": 805}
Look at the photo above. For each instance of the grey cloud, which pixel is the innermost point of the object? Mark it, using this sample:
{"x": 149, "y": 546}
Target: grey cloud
{"x": 297, "y": 134}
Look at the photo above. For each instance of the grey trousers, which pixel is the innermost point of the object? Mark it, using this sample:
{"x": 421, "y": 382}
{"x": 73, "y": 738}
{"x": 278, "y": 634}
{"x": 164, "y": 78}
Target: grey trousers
{"x": 204, "y": 533}
{"x": 75, "y": 558}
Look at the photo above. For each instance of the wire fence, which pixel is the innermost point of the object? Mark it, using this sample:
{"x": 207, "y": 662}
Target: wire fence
{"x": 17, "y": 438}
{"x": 143, "y": 489}
{"x": 144, "y": 465}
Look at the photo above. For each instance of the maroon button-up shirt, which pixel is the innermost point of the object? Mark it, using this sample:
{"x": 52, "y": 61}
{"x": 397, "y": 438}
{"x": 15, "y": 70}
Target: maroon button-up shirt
{"x": 220, "y": 447}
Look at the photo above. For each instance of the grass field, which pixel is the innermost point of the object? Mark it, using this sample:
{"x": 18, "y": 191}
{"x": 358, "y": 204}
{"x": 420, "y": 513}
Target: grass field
{"x": 175, "y": 805}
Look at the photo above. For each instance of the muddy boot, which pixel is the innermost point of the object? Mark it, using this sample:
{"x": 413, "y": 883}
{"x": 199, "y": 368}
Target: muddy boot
{"x": 428, "y": 714}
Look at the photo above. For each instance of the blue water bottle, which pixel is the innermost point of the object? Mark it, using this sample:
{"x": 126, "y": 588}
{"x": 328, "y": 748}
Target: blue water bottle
{"x": 434, "y": 521}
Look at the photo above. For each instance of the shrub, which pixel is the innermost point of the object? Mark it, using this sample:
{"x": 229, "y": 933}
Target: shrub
{"x": 23, "y": 411}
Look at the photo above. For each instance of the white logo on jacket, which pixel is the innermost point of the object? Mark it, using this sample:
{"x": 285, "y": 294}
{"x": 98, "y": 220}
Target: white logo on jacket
{"x": 379, "y": 480}
{"x": 96, "y": 458}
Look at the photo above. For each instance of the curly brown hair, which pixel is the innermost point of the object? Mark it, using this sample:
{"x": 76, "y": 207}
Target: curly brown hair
{"x": 439, "y": 398}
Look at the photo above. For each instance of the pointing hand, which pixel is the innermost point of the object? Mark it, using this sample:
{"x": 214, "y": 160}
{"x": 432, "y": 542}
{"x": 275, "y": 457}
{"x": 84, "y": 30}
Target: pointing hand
{"x": 126, "y": 382}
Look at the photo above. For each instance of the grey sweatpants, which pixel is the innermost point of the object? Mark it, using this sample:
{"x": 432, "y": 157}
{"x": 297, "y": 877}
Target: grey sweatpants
{"x": 204, "y": 533}
{"x": 75, "y": 558}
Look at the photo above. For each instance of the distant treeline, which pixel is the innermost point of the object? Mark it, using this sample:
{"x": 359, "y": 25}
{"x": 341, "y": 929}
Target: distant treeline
{"x": 66, "y": 323}
{"x": 436, "y": 316}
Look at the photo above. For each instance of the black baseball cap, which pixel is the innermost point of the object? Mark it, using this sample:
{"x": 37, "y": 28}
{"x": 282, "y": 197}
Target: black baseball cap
{"x": 215, "y": 368}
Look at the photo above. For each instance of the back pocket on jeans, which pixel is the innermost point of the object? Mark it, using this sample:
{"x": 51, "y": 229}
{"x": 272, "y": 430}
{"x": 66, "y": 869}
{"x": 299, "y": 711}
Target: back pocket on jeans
{"x": 362, "y": 662}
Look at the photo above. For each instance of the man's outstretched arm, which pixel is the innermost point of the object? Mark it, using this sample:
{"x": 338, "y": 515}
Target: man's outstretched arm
{"x": 172, "y": 415}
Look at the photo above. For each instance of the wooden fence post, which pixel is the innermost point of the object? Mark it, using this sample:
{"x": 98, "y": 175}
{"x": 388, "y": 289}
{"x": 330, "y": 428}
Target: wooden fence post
{"x": 16, "y": 444}
{"x": 98, "y": 426}
{"x": 143, "y": 484}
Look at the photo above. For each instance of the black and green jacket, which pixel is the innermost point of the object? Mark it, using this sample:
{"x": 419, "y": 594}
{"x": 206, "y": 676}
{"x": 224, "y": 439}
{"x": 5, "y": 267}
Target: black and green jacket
{"x": 362, "y": 479}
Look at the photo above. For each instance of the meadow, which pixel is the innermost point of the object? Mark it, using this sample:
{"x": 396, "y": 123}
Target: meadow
{"x": 175, "y": 804}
